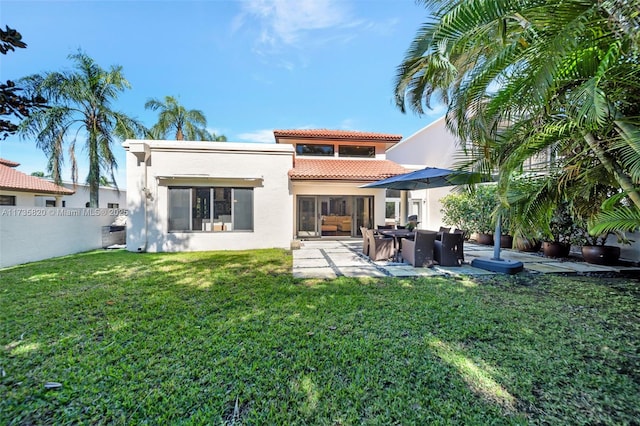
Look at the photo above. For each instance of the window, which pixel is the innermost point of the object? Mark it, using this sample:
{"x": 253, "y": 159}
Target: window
{"x": 50, "y": 203}
{"x": 7, "y": 200}
{"x": 312, "y": 149}
{"x": 113, "y": 205}
{"x": 357, "y": 151}
{"x": 390, "y": 210}
{"x": 210, "y": 209}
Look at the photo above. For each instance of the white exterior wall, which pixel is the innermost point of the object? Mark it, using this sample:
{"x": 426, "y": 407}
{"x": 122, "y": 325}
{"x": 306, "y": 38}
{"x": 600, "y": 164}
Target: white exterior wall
{"x": 28, "y": 234}
{"x": 431, "y": 146}
{"x": 169, "y": 163}
{"x": 23, "y": 199}
{"x": 80, "y": 199}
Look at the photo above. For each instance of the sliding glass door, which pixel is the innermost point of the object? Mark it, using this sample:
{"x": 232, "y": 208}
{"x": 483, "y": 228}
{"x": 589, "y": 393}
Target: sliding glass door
{"x": 307, "y": 217}
{"x": 333, "y": 215}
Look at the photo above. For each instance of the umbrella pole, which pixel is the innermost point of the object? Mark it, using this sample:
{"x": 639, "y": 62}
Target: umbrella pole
{"x": 496, "y": 238}
{"x": 496, "y": 264}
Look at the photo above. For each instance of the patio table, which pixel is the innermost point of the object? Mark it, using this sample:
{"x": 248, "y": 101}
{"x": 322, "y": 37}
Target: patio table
{"x": 398, "y": 235}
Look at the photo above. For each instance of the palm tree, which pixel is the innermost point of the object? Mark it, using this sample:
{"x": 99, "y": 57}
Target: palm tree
{"x": 173, "y": 117}
{"x": 80, "y": 104}
{"x": 523, "y": 78}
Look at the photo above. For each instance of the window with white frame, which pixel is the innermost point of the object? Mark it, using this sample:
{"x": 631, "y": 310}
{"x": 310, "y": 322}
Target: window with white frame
{"x": 210, "y": 209}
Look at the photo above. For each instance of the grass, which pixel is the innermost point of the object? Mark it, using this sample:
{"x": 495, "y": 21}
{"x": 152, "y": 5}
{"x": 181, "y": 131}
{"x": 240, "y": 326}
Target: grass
{"x": 233, "y": 338}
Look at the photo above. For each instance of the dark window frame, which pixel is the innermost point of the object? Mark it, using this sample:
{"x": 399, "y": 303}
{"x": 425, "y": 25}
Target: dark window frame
{"x": 357, "y": 151}
{"x": 315, "y": 150}
{"x": 7, "y": 200}
{"x": 214, "y": 216}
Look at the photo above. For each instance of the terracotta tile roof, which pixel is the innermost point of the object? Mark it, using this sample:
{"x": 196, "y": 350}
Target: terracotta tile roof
{"x": 335, "y": 134}
{"x": 13, "y": 180}
{"x": 9, "y": 163}
{"x": 344, "y": 169}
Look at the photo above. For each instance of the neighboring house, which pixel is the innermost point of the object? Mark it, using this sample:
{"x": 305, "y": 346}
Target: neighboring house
{"x": 186, "y": 196}
{"x": 20, "y": 189}
{"x": 108, "y": 197}
{"x": 431, "y": 146}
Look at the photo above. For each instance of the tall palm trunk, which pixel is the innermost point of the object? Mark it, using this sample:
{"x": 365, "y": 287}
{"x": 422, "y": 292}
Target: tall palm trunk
{"x": 94, "y": 171}
{"x": 625, "y": 182}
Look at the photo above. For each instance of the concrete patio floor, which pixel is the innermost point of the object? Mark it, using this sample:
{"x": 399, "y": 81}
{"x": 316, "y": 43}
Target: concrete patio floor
{"x": 333, "y": 258}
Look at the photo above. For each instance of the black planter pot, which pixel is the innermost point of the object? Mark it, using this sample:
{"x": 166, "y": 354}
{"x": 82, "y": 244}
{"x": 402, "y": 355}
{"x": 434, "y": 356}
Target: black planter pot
{"x": 527, "y": 244}
{"x": 486, "y": 239}
{"x": 506, "y": 241}
{"x": 601, "y": 255}
{"x": 553, "y": 249}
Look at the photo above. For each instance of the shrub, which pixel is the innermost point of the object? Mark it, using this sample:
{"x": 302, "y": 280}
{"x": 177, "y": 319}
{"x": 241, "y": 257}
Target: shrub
{"x": 471, "y": 211}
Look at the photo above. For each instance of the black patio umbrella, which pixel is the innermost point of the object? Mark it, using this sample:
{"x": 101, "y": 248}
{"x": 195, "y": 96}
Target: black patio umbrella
{"x": 432, "y": 177}
{"x": 429, "y": 177}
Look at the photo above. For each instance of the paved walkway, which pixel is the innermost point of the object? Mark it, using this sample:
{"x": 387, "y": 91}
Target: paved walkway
{"x": 334, "y": 258}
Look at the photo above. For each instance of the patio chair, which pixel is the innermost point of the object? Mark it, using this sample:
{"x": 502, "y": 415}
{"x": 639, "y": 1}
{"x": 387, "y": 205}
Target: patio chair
{"x": 380, "y": 248}
{"x": 449, "y": 251}
{"x": 419, "y": 251}
{"x": 365, "y": 241}
{"x": 443, "y": 229}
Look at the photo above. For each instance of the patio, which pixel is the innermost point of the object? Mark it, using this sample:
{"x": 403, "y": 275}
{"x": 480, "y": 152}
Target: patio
{"x": 333, "y": 258}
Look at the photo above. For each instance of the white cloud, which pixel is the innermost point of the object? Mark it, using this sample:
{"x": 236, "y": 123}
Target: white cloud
{"x": 286, "y": 21}
{"x": 260, "y": 136}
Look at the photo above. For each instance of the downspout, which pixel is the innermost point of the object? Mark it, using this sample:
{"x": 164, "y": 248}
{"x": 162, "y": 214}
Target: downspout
{"x": 145, "y": 194}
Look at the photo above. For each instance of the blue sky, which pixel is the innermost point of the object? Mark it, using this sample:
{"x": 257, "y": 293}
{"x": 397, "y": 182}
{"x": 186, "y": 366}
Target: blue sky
{"x": 251, "y": 66}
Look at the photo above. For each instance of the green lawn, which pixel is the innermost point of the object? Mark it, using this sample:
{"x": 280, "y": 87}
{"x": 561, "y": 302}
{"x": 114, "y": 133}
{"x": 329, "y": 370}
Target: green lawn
{"x": 233, "y": 338}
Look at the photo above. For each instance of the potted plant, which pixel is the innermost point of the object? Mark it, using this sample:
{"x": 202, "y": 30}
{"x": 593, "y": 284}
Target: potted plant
{"x": 559, "y": 233}
{"x": 527, "y": 216}
{"x": 595, "y": 250}
{"x": 586, "y": 205}
{"x": 484, "y": 203}
{"x": 506, "y": 235}
{"x": 594, "y": 246}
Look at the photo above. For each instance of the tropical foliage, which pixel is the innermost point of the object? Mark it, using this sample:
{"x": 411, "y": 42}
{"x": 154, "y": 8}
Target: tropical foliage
{"x": 80, "y": 106}
{"x": 550, "y": 87}
{"x": 471, "y": 211}
{"x": 13, "y": 103}
{"x": 178, "y": 123}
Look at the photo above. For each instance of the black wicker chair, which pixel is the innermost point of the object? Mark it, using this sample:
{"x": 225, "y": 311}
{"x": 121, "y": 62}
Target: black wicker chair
{"x": 419, "y": 252}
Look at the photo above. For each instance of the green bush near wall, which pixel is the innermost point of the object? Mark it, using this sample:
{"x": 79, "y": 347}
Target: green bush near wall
{"x": 471, "y": 210}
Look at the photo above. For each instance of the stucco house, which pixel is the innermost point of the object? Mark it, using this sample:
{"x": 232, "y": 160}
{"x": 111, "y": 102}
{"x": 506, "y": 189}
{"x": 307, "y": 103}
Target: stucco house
{"x": 185, "y": 196}
{"x": 22, "y": 190}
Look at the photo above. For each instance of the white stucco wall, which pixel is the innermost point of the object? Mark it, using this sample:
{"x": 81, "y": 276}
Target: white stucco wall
{"x": 263, "y": 167}
{"x": 431, "y": 146}
{"x": 28, "y": 234}
{"x": 106, "y": 195}
{"x": 24, "y": 199}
